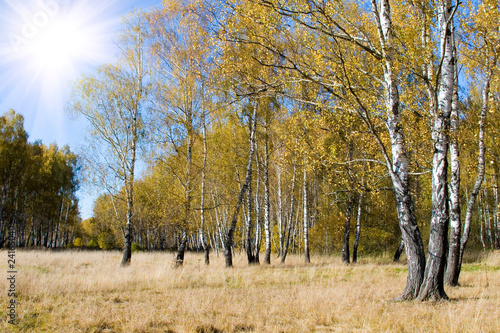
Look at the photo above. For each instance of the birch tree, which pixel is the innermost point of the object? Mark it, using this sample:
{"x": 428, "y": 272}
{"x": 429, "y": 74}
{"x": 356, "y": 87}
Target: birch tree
{"x": 482, "y": 55}
{"x": 112, "y": 101}
{"x": 180, "y": 50}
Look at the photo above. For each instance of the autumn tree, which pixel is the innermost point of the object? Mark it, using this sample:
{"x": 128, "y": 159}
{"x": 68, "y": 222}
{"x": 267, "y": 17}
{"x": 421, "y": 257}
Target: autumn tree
{"x": 112, "y": 101}
{"x": 179, "y": 38}
{"x": 481, "y": 32}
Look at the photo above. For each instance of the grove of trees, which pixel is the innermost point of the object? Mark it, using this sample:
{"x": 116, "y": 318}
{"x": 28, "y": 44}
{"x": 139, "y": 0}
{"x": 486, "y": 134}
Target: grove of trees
{"x": 38, "y": 205}
{"x": 312, "y": 127}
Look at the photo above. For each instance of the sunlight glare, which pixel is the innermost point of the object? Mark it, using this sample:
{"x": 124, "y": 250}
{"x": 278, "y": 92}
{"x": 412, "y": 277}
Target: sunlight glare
{"x": 57, "y": 47}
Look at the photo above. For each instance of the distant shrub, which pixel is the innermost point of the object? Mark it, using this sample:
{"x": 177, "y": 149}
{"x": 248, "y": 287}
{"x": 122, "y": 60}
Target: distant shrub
{"x": 78, "y": 242}
{"x": 93, "y": 243}
{"x": 136, "y": 247}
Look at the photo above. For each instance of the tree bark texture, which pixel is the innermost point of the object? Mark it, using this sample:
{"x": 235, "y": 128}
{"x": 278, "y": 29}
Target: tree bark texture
{"x": 454, "y": 189}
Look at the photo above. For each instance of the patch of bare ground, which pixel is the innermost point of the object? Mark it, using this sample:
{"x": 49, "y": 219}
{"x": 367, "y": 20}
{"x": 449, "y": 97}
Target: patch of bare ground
{"x": 89, "y": 292}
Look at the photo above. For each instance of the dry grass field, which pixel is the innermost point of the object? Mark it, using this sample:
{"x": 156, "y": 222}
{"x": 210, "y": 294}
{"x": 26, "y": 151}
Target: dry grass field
{"x": 89, "y": 292}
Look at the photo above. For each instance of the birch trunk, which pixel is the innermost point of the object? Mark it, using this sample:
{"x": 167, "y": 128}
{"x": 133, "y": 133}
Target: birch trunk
{"x": 358, "y": 227}
{"x": 248, "y": 238}
{"x": 179, "y": 260}
{"x": 203, "y": 241}
{"x": 348, "y": 212}
{"x": 454, "y": 190}
{"x": 267, "y": 205}
{"x": 496, "y": 222}
{"x": 127, "y": 236}
{"x": 129, "y": 188}
{"x": 398, "y": 168}
{"x": 480, "y": 170}
{"x": 258, "y": 224}
{"x": 228, "y": 242}
{"x": 433, "y": 285}
{"x": 307, "y": 257}
{"x": 289, "y": 224}
{"x": 279, "y": 214}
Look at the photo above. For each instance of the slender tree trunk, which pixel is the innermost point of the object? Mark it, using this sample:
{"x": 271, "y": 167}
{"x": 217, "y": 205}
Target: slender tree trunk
{"x": 358, "y": 227}
{"x": 496, "y": 222}
{"x": 267, "y": 204}
{"x": 307, "y": 257}
{"x": 348, "y": 212}
{"x": 204, "y": 244}
{"x": 279, "y": 214}
{"x": 481, "y": 223}
{"x": 228, "y": 242}
{"x": 487, "y": 219}
{"x": 347, "y": 228}
{"x": 179, "y": 261}
{"x": 290, "y": 218}
{"x": 258, "y": 224}
{"x": 248, "y": 233}
{"x": 480, "y": 172}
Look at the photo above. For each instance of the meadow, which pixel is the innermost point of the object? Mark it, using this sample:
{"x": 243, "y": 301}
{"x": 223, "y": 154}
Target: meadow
{"x": 88, "y": 292}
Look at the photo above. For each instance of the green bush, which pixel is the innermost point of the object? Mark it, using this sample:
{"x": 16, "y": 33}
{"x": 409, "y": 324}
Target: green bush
{"x": 136, "y": 247}
{"x": 93, "y": 243}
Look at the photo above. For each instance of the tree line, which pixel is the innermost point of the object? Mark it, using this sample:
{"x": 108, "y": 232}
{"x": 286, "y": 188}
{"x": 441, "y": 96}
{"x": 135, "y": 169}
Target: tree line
{"x": 285, "y": 126}
{"x": 37, "y": 199}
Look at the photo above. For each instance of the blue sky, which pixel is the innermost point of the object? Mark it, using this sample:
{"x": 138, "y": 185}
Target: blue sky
{"x": 44, "y": 46}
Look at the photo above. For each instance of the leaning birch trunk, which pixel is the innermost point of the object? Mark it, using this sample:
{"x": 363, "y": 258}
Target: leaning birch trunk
{"x": 454, "y": 190}
{"x": 398, "y": 167}
{"x": 228, "y": 242}
{"x": 307, "y": 257}
{"x": 480, "y": 172}
{"x": 433, "y": 285}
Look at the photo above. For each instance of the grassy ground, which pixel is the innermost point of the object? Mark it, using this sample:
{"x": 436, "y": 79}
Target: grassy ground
{"x": 89, "y": 292}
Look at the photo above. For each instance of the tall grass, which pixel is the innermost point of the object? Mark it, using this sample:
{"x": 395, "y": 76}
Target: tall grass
{"x": 89, "y": 292}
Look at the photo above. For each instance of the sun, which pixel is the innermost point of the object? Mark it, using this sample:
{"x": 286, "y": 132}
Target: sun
{"x": 57, "y": 49}
{"x": 52, "y": 43}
